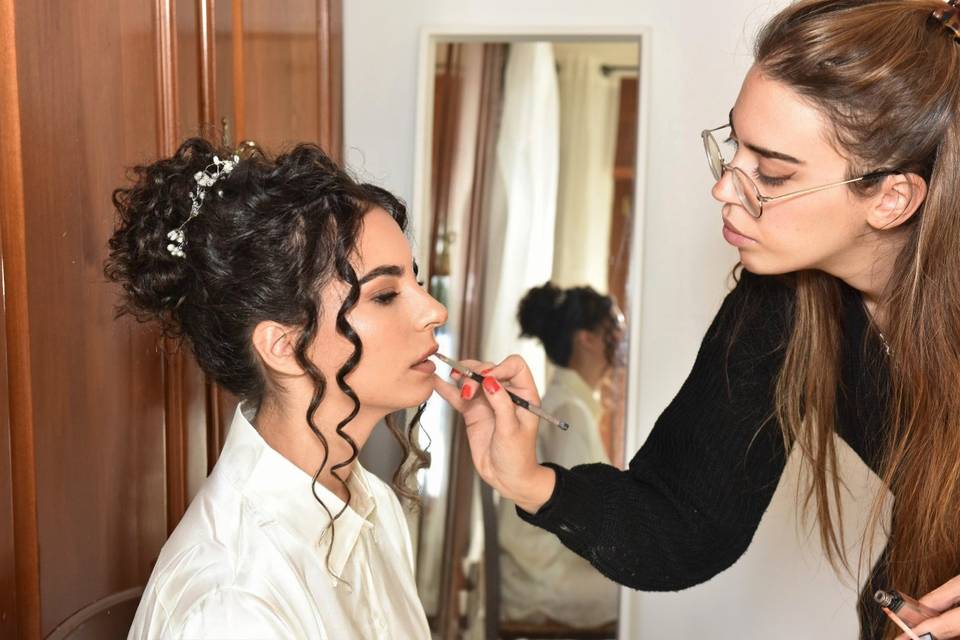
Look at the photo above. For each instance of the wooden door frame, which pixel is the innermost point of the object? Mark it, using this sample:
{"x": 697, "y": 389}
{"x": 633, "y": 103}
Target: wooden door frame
{"x": 23, "y": 480}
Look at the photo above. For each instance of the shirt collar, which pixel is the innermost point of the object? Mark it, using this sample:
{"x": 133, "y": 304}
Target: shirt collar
{"x": 571, "y": 380}
{"x": 281, "y": 491}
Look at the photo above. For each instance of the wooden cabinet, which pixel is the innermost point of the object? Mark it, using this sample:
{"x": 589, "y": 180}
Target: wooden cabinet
{"x": 105, "y": 431}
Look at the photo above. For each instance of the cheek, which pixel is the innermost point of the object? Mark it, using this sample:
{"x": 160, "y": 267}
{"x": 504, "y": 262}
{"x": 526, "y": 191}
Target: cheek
{"x": 383, "y": 376}
{"x": 802, "y": 235}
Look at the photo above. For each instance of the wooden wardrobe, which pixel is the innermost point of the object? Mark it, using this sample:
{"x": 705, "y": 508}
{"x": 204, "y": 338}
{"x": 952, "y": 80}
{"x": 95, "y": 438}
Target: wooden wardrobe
{"x": 106, "y": 431}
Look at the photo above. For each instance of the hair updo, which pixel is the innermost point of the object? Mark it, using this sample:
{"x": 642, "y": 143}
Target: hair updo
{"x": 553, "y": 315}
{"x": 268, "y": 238}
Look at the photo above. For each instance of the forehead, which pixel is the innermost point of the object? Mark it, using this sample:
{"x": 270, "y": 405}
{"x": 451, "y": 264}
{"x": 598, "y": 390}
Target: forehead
{"x": 381, "y": 242}
{"x": 770, "y": 114}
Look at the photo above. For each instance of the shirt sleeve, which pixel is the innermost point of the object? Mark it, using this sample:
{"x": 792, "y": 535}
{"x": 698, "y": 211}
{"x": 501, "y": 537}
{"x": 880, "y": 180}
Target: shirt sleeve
{"x": 693, "y": 496}
{"x": 234, "y": 614}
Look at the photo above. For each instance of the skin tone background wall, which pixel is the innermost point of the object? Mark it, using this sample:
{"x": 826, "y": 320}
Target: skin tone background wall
{"x": 700, "y": 52}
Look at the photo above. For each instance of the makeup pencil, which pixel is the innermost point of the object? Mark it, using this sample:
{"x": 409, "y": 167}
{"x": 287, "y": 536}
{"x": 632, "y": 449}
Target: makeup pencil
{"x": 517, "y": 400}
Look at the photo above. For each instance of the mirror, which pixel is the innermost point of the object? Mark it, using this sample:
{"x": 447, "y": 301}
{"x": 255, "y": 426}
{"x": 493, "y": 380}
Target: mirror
{"x": 527, "y": 156}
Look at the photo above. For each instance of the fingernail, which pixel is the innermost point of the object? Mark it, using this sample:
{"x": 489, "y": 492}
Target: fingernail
{"x": 491, "y": 385}
{"x": 485, "y": 371}
{"x": 454, "y": 374}
{"x": 466, "y": 393}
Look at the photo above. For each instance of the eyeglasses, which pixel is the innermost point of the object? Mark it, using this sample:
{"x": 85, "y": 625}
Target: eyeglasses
{"x": 747, "y": 190}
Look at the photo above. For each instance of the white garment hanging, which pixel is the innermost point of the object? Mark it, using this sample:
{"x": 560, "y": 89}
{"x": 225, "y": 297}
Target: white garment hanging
{"x": 520, "y": 245}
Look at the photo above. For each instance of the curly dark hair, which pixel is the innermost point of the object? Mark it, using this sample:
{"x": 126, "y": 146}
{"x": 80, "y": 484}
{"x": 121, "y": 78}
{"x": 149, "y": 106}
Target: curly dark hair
{"x": 270, "y": 236}
{"x": 552, "y": 315}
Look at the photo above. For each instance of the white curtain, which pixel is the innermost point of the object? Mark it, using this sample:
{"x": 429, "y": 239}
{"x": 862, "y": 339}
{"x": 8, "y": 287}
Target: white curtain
{"x": 523, "y": 207}
{"x": 589, "y": 103}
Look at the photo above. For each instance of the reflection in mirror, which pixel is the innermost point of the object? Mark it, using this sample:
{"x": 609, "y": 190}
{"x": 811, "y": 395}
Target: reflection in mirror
{"x": 530, "y": 153}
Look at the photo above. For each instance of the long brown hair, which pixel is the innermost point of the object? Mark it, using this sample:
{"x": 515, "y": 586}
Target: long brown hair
{"x": 887, "y": 78}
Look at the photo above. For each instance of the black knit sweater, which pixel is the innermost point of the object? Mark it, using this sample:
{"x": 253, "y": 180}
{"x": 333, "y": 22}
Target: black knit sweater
{"x": 692, "y": 498}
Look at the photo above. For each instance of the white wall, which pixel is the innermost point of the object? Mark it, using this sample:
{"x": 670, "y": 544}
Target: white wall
{"x": 699, "y": 53}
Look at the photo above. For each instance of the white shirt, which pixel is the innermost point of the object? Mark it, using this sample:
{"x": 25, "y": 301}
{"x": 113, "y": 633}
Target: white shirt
{"x": 248, "y": 559}
{"x": 540, "y": 579}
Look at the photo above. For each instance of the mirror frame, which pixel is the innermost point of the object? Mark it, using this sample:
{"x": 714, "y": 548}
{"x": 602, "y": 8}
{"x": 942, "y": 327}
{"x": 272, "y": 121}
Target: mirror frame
{"x": 430, "y": 37}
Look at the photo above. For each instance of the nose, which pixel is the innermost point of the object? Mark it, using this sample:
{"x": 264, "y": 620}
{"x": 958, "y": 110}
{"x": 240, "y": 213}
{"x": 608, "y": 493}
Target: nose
{"x": 434, "y": 313}
{"x": 723, "y": 190}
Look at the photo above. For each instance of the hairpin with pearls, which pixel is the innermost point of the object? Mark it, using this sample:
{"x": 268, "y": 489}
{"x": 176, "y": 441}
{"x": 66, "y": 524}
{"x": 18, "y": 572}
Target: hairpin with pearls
{"x": 204, "y": 179}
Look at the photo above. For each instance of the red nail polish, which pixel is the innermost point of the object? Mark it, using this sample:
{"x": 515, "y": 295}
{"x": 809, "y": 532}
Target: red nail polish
{"x": 485, "y": 372}
{"x": 491, "y": 385}
{"x": 466, "y": 393}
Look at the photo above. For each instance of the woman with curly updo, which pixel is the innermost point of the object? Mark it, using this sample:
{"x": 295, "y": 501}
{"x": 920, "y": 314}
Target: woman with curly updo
{"x": 540, "y": 579}
{"x": 294, "y": 287}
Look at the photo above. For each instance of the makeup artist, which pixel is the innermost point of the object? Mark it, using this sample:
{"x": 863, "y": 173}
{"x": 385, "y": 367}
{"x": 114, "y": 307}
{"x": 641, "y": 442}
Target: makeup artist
{"x": 837, "y": 179}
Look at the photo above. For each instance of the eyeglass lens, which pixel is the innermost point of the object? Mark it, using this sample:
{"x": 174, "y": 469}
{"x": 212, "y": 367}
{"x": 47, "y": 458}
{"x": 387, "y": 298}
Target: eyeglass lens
{"x": 744, "y": 186}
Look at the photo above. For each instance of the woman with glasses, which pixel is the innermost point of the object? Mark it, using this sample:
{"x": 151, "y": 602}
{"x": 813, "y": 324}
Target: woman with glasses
{"x": 837, "y": 174}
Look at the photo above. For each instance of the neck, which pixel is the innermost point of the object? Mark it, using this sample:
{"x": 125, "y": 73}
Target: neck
{"x": 283, "y": 425}
{"x": 869, "y": 270}
{"x": 592, "y": 370}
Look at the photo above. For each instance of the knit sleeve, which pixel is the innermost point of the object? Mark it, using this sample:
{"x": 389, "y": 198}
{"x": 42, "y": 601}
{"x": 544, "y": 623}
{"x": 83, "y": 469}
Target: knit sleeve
{"x": 693, "y": 496}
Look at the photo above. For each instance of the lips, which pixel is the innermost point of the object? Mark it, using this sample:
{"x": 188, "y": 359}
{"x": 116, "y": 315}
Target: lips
{"x": 730, "y": 226}
{"x": 426, "y": 354}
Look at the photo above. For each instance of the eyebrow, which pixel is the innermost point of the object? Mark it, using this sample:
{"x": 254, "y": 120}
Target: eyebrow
{"x": 762, "y": 151}
{"x": 382, "y": 270}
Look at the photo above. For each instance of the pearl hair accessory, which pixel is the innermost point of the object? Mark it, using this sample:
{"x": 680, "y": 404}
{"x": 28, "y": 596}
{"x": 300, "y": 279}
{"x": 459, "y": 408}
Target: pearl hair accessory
{"x": 204, "y": 179}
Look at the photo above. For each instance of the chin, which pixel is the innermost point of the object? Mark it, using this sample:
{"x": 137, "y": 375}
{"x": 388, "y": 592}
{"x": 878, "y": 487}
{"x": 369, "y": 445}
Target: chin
{"x": 407, "y": 397}
{"x": 757, "y": 265}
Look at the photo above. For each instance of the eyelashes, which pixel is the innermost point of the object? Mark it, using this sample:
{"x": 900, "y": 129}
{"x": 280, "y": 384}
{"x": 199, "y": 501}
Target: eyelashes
{"x": 768, "y": 181}
{"x": 388, "y": 297}
{"x": 385, "y": 298}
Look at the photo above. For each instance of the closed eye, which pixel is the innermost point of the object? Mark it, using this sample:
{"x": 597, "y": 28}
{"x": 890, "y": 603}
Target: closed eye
{"x": 385, "y": 298}
{"x": 770, "y": 181}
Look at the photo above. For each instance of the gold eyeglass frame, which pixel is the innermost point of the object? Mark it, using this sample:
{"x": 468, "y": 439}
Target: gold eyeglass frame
{"x": 712, "y": 148}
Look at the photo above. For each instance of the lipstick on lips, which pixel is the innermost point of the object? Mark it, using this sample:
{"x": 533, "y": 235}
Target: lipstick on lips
{"x": 424, "y": 364}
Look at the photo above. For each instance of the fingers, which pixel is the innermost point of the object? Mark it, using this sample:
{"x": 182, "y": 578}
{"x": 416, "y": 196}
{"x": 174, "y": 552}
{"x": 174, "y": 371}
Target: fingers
{"x": 504, "y": 410}
{"x": 943, "y": 627}
{"x": 457, "y": 396}
{"x": 514, "y": 373}
{"x": 943, "y": 597}
{"x": 469, "y": 387}
{"x": 449, "y": 392}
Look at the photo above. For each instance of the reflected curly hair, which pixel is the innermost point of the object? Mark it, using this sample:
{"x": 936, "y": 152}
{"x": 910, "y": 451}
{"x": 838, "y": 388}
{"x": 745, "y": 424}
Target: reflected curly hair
{"x": 270, "y": 236}
{"x": 553, "y": 315}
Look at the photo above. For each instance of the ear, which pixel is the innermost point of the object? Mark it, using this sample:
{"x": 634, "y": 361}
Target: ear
{"x": 900, "y": 196}
{"x": 275, "y": 344}
{"x": 587, "y": 339}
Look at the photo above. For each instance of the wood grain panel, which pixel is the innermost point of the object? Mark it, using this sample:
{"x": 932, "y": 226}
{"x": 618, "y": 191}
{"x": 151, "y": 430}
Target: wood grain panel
{"x": 237, "y": 64}
{"x": 21, "y": 563}
{"x": 188, "y": 57}
{"x": 206, "y": 62}
{"x": 8, "y": 585}
{"x": 281, "y": 73}
{"x": 330, "y": 49}
{"x": 88, "y": 108}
